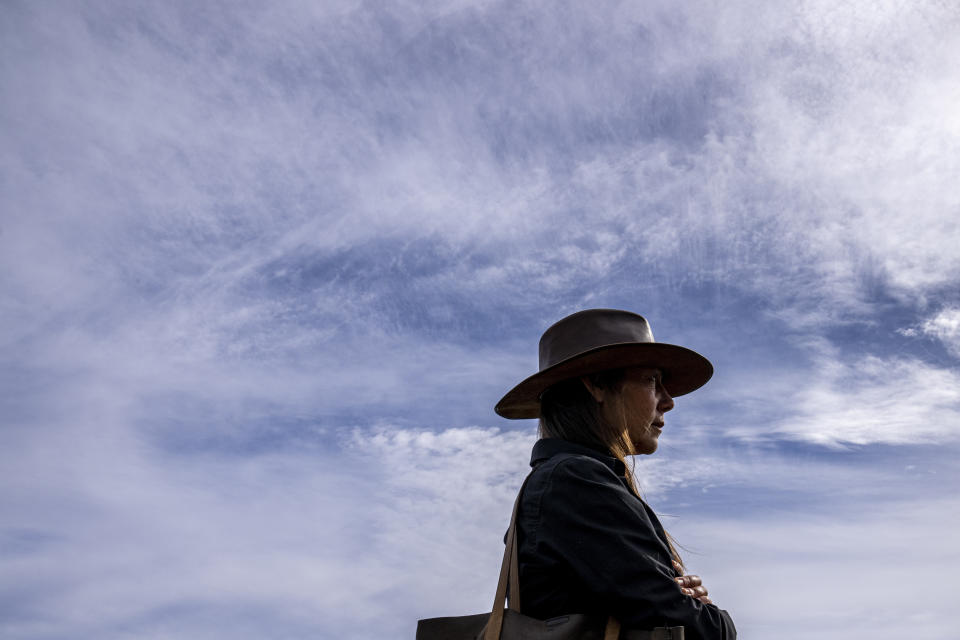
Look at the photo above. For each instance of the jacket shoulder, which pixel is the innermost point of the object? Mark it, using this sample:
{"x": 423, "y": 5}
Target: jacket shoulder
{"x": 570, "y": 477}
{"x": 572, "y": 465}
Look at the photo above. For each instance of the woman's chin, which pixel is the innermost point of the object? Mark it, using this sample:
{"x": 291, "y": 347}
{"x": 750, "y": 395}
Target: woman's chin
{"x": 645, "y": 447}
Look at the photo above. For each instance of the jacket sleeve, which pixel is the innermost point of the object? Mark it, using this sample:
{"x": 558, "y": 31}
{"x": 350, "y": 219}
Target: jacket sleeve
{"x": 608, "y": 538}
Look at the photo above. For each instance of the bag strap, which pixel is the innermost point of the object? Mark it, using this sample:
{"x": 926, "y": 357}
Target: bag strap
{"x": 510, "y": 574}
{"x": 495, "y": 623}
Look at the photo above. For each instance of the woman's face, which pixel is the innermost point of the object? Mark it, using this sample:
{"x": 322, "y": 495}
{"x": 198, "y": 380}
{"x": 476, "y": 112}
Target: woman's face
{"x": 639, "y": 406}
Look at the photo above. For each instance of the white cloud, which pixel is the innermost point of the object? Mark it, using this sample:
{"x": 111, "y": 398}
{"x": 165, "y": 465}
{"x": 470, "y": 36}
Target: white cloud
{"x": 853, "y": 114}
{"x": 868, "y": 401}
{"x": 944, "y": 326}
{"x": 104, "y": 533}
{"x": 395, "y": 524}
{"x": 863, "y": 572}
{"x": 444, "y": 506}
{"x": 126, "y": 534}
{"x": 217, "y": 220}
{"x": 794, "y": 194}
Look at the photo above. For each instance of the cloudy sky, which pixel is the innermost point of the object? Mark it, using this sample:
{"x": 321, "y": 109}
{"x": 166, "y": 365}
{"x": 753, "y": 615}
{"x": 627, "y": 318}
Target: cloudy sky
{"x": 265, "y": 268}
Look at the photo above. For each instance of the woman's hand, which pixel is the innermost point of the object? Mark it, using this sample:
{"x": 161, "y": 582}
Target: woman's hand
{"x": 692, "y": 585}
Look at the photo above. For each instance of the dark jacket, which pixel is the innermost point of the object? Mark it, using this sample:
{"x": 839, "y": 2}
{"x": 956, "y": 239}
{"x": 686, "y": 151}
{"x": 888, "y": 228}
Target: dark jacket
{"x": 589, "y": 545}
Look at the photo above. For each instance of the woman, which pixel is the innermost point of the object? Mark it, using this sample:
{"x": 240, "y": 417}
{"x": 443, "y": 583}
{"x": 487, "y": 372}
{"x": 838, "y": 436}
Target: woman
{"x": 587, "y": 541}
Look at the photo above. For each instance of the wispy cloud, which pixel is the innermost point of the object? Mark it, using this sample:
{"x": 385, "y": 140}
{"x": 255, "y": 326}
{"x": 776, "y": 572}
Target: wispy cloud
{"x": 829, "y": 563}
{"x": 296, "y": 169}
{"x": 866, "y": 401}
{"x": 943, "y": 326}
{"x": 261, "y": 266}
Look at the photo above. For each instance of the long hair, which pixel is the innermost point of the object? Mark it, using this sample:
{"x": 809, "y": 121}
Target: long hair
{"x": 568, "y": 411}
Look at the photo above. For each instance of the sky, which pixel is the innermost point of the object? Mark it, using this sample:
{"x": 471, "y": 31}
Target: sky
{"x": 265, "y": 269}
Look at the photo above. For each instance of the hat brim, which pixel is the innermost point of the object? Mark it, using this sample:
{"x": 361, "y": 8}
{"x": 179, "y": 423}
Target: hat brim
{"x": 684, "y": 370}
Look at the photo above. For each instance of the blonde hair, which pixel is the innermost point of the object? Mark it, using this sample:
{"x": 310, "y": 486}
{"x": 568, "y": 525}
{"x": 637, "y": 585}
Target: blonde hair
{"x": 570, "y": 412}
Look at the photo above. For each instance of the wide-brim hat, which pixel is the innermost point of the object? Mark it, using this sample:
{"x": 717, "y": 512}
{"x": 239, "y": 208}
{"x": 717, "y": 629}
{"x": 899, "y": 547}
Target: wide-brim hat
{"x": 598, "y": 340}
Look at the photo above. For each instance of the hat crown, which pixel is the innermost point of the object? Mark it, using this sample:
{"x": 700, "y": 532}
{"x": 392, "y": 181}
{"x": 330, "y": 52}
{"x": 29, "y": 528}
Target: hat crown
{"x": 591, "y": 329}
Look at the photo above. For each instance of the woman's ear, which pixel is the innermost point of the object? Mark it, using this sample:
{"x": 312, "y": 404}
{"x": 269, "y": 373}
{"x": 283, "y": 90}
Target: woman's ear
{"x": 594, "y": 390}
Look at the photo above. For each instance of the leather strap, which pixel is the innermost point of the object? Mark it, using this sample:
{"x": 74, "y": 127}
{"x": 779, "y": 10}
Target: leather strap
{"x": 513, "y": 595}
{"x": 510, "y": 574}
{"x": 507, "y": 566}
{"x": 612, "y": 632}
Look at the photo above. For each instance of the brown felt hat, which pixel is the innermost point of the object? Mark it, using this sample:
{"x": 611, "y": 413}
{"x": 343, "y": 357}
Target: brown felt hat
{"x": 597, "y": 340}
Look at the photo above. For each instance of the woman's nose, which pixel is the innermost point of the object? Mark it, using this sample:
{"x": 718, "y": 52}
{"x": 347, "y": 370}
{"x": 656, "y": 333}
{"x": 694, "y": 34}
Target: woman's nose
{"x": 666, "y": 400}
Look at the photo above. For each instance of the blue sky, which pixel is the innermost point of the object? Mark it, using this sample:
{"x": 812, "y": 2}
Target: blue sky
{"x": 266, "y": 268}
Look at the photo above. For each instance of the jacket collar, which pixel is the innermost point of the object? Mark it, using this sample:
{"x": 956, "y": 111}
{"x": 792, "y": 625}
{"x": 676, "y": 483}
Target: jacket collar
{"x": 546, "y": 448}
